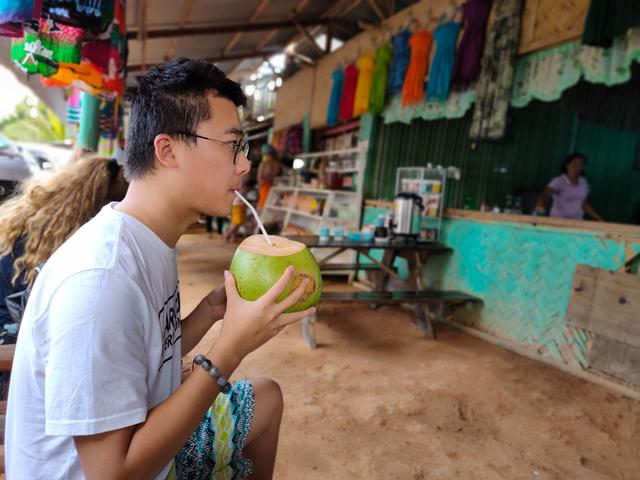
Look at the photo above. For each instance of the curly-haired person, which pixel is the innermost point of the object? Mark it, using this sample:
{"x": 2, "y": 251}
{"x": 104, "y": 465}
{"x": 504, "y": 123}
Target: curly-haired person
{"x": 40, "y": 218}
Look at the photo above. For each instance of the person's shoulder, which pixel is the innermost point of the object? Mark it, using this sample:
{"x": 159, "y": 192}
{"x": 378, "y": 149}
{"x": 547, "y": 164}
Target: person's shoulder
{"x": 557, "y": 182}
{"x": 94, "y": 245}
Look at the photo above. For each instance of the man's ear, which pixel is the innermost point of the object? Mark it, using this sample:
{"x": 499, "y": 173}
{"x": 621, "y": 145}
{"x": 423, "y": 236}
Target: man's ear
{"x": 163, "y": 146}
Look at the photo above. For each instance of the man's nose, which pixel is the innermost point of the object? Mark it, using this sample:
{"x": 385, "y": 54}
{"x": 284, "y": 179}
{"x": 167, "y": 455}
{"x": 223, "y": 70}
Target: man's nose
{"x": 243, "y": 165}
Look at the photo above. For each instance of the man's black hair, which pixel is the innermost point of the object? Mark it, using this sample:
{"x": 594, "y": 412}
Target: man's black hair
{"x": 570, "y": 158}
{"x": 170, "y": 98}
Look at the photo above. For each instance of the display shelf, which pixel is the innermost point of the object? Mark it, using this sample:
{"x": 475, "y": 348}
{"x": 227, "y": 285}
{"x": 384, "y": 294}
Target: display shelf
{"x": 307, "y": 215}
{"x": 277, "y": 208}
{"x": 340, "y": 208}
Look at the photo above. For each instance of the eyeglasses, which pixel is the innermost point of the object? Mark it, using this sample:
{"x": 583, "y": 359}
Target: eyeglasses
{"x": 241, "y": 145}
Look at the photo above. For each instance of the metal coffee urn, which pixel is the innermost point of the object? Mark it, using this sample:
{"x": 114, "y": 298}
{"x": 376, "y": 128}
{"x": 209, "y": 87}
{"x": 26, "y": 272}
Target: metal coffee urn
{"x": 407, "y": 209}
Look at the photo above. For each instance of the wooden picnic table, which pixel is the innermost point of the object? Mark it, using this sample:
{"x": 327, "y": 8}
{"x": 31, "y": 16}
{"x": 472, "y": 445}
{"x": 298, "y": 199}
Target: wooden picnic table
{"x": 429, "y": 305}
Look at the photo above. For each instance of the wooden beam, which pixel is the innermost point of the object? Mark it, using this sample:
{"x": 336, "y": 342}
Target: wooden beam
{"x": 226, "y": 29}
{"x": 329, "y": 33}
{"x": 142, "y": 30}
{"x": 309, "y": 38}
{"x": 221, "y": 58}
{"x": 182, "y": 21}
{"x": 391, "y": 7}
{"x": 301, "y": 57}
{"x": 376, "y": 8}
{"x": 269, "y": 36}
{"x": 338, "y": 9}
{"x": 252, "y": 18}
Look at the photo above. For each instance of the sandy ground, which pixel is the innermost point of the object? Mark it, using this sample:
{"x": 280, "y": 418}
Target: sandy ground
{"x": 378, "y": 401}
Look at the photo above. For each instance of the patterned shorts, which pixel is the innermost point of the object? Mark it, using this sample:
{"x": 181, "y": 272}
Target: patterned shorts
{"x": 214, "y": 451}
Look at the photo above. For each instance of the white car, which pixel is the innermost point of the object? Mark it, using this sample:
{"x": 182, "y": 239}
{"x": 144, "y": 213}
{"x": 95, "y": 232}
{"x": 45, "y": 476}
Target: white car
{"x": 16, "y": 165}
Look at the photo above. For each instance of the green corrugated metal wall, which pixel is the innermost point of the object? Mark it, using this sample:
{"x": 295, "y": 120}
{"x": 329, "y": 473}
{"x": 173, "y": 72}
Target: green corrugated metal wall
{"x": 539, "y": 138}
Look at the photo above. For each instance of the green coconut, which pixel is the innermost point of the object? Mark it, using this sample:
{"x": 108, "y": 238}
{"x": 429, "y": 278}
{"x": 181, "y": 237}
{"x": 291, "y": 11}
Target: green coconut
{"x": 257, "y": 266}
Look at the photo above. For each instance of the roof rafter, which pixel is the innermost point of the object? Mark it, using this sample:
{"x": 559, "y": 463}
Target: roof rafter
{"x": 252, "y": 18}
{"x": 223, "y": 58}
{"x": 226, "y": 29}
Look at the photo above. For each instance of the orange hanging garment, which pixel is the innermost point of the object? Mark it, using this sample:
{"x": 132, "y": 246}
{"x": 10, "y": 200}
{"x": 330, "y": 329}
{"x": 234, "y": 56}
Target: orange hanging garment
{"x": 413, "y": 87}
{"x": 363, "y": 89}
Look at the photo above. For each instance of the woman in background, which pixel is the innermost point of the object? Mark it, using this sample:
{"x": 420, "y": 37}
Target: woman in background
{"x": 35, "y": 222}
{"x": 569, "y": 192}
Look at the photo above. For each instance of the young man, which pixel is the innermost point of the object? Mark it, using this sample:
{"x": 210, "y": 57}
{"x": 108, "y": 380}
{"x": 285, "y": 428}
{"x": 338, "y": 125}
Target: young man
{"x": 96, "y": 388}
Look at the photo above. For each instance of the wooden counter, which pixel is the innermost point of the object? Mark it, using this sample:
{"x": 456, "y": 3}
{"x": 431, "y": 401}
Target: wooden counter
{"x": 628, "y": 234}
{"x": 612, "y": 229}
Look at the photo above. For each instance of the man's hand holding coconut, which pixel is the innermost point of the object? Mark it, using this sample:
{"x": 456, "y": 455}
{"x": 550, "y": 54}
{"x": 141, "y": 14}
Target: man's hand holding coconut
{"x": 249, "y": 324}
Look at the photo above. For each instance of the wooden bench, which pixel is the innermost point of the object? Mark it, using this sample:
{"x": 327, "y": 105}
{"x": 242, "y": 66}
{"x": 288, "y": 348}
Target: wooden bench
{"x": 429, "y": 306}
{"x": 353, "y": 267}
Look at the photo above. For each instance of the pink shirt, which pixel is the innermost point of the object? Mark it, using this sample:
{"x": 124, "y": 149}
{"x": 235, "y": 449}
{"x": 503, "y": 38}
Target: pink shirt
{"x": 568, "y": 197}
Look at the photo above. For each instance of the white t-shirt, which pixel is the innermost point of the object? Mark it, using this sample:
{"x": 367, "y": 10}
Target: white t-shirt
{"x": 99, "y": 345}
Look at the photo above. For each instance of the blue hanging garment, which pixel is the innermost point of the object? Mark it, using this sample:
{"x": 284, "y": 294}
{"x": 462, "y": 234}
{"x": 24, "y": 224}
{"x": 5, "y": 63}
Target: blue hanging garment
{"x": 399, "y": 62}
{"x": 441, "y": 70}
{"x": 336, "y": 94}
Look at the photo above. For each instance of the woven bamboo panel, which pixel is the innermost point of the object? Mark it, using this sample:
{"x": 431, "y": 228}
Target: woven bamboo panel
{"x": 524, "y": 275}
{"x": 550, "y": 22}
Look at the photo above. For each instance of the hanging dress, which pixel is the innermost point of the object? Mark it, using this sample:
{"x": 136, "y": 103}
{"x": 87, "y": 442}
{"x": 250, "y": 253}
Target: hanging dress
{"x": 399, "y": 62}
{"x": 19, "y": 10}
{"x": 92, "y": 15}
{"x": 44, "y": 51}
{"x": 469, "y": 54}
{"x": 442, "y": 67}
{"x": 14, "y": 13}
{"x": 363, "y": 89}
{"x": 348, "y": 92}
{"x": 495, "y": 84}
{"x": 413, "y": 88}
{"x": 333, "y": 110}
{"x": 378, "y": 96}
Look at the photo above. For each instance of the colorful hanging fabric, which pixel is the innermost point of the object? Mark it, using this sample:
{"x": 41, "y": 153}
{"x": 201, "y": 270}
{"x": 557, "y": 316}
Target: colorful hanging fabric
{"x": 73, "y": 106}
{"x": 84, "y": 76}
{"x": 399, "y": 62}
{"x": 378, "y": 97}
{"x": 293, "y": 140}
{"x": 11, "y": 30}
{"x": 365, "y": 66}
{"x": 469, "y": 53}
{"x": 413, "y": 87}
{"x": 92, "y": 15}
{"x": 19, "y": 10}
{"x": 495, "y": 84}
{"x": 348, "y": 92}
{"x": 16, "y": 15}
{"x": 608, "y": 19}
{"x": 439, "y": 82}
{"x": 333, "y": 111}
{"x": 42, "y": 52}
{"x": 34, "y": 55}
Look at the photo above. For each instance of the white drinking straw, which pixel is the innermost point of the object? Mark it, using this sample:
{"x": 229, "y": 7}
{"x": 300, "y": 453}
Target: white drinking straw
{"x": 255, "y": 214}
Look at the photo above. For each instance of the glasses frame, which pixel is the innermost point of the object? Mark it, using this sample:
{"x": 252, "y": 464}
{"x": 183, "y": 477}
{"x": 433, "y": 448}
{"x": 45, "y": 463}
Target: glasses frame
{"x": 241, "y": 145}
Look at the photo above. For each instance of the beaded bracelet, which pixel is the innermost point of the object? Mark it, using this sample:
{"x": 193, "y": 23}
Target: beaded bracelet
{"x": 214, "y": 372}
